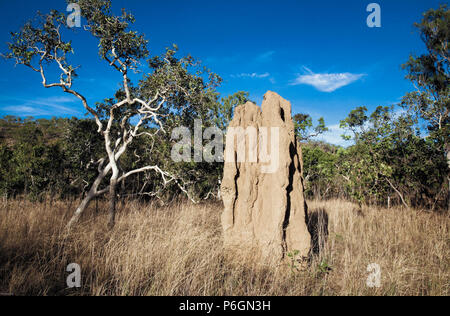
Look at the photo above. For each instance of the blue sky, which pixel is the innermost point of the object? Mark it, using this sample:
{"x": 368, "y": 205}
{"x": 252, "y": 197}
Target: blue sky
{"x": 320, "y": 55}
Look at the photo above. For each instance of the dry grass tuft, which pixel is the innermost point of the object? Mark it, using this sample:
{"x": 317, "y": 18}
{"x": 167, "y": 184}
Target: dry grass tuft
{"x": 177, "y": 250}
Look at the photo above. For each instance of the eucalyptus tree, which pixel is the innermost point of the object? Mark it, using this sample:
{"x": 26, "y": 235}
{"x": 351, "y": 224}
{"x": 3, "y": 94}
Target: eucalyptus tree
{"x": 222, "y": 112}
{"x": 430, "y": 74}
{"x": 171, "y": 87}
{"x": 304, "y": 128}
{"x": 389, "y": 157}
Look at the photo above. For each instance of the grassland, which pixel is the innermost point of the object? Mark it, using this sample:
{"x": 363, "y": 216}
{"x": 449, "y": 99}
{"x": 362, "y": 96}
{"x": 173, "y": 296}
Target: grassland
{"x": 177, "y": 250}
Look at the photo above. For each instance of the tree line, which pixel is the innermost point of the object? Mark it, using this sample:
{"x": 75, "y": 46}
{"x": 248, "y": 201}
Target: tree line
{"x": 400, "y": 154}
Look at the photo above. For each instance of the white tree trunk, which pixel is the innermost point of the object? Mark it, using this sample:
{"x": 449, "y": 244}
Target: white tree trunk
{"x": 112, "y": 202}
{"x": 93, "y": 193}
{"x": 83, "y": 205}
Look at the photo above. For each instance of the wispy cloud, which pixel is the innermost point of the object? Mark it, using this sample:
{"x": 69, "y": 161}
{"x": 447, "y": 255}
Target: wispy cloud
{"x": 260, "y": 58}
{"x": 24, "y": 110}
{"x": 51, "y": 106}
{"x": 253, "y": 75}
{"x": 326, "y": 82}
{"x": 265, "y": 57}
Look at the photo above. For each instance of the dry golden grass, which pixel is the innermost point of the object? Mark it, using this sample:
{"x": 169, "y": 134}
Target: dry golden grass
{"x": 177, "y": 250}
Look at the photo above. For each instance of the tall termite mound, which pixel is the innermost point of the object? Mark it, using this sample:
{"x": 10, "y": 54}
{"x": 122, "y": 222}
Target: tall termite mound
{"x": 263, "y": 193}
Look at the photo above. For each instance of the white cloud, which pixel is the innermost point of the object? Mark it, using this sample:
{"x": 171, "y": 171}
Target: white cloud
{"x": 24, "y": 110}
{"x": 253, "y": 75}
{"x": 326, "y": 82}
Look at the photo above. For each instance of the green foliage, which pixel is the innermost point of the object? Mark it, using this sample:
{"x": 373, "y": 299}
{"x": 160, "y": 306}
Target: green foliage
{"x": 355, "y": 122}
{"x": 6, "y": 155}
{"x": 38, "y": 36}
{"x": 222, "y": 112}
{"x": 113, "y": 31}
{"x": 31, "y": 158}
{"x": 389, "y": 159}
{"x": 304, "y": 129}
{"x": 430, "y": 73}
{"x": 173, "y": 92}
{"x": 323, "y": 267}
{"x": 82, "y": 147}
{"x": 294, "y": 260}
{"x": 319, "y": 171}
{"x": 392, "y": 157}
